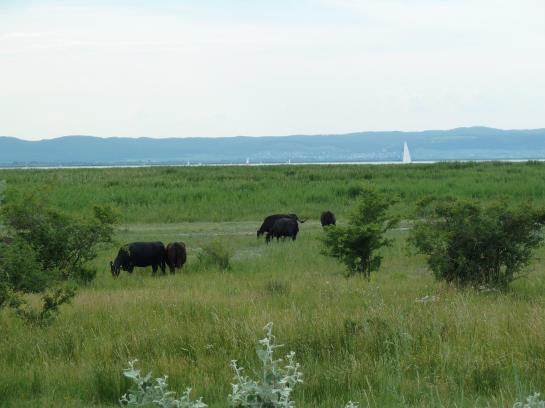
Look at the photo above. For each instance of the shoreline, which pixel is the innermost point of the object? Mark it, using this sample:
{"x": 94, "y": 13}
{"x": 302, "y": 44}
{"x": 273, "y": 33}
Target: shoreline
{"x": 359, "y": 163}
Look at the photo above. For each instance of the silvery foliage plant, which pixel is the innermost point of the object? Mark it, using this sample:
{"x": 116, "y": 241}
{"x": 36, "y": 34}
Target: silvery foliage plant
{"x": 273, "y": 389}
{"x": 275, "y": 384}
{"x": 146, "y": 392}
{"x": 533, "y": 401}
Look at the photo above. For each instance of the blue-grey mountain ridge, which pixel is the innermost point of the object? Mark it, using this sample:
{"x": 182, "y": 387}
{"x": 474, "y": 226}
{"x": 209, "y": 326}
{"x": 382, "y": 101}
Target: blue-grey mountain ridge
{"x": 473, "y": 143}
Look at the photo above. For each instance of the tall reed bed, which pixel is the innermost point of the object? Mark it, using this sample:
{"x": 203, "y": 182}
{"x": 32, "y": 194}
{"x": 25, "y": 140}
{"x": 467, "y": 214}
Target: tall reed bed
{"x": 178, "y": 194}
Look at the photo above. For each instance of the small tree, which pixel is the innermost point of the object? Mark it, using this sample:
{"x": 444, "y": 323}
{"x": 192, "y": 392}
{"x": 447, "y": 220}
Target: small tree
{"x": 47, "y": 252}
{"x": 356, "y": 244}
{"x": 469, "y": 244}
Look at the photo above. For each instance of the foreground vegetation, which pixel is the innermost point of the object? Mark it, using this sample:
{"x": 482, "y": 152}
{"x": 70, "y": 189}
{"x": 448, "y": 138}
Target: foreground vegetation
{"x": 402, "y": 339}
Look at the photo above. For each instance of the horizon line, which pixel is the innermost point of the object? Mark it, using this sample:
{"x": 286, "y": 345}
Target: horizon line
{"x": 271, "y": 136}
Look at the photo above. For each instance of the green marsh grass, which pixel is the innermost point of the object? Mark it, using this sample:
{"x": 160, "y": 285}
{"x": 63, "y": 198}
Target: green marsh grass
{"x": 178, "y": 194}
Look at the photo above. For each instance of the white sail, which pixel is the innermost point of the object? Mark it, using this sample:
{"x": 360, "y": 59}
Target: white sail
{"x": 248, "y": 160}
{"x": 406, "y": 154}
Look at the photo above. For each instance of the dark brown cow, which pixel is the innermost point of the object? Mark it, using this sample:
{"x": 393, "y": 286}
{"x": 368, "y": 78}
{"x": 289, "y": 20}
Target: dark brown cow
{"x": 328, "y": 218}
{"x": 176, "y": 255}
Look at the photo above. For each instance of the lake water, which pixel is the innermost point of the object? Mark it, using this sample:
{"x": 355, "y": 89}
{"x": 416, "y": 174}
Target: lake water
{"x": 98, "y": 166}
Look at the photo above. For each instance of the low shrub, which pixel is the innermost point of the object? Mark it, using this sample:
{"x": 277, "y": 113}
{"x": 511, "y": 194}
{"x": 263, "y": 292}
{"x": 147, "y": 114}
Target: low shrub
{"x": 356, "y": 245}
{"x": 214, "y": 254}
{"x": 48, "y": 252}
{"x": 467, "y": 243}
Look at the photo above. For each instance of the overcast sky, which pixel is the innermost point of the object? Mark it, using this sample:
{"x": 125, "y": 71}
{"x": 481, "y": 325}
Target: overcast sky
{"x": 168, "y": 68}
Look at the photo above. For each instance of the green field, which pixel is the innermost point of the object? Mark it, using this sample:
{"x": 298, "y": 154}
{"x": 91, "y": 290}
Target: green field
{"x": 179, "y": 194}
{"x": 371, "y": 342}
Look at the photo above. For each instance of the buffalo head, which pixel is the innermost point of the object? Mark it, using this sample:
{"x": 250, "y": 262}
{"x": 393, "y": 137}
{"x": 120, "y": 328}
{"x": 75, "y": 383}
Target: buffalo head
{"x": 115, "y": 268}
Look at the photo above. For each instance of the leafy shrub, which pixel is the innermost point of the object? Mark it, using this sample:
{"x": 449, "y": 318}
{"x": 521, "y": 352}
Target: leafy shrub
{"x": 469, "y": 244}
{"x": 48, "y": 248}
{"x": 20, "y": 269}
{"x": 60, "y": 242}
{"x": 214, "y": 254}
{"x": 51, "y": 300}
{"x": 356, "y": 244}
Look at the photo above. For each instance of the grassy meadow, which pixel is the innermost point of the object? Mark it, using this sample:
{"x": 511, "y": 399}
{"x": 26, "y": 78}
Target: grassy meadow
{"x": 400, "y": 340}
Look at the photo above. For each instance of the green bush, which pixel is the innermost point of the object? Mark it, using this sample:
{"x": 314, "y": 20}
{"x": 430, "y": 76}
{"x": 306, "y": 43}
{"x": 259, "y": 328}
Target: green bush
{"x": 470, "y": 244}
{"x": 21, "y": 270}
{"x": 356, "y": 244}
{"x": 48, "y": 249}
{"x": 60, "y": 242}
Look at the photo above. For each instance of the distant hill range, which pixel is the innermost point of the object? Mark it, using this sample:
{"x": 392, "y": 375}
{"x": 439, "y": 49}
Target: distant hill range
{"x": 474, "y": 143}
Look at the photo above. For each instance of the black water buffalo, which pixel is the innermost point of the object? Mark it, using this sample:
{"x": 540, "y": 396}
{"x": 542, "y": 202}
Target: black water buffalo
{"x": 269, "y": 221}
{"x": 176, "y": 255}
{"x": 139, "y": 254}
{"x": 328, "y": 218}
{"x": 282, "y": 228}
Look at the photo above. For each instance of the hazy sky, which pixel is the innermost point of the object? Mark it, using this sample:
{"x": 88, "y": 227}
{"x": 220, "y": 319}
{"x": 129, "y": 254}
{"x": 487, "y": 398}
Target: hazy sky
{"x": 249, "y": 67}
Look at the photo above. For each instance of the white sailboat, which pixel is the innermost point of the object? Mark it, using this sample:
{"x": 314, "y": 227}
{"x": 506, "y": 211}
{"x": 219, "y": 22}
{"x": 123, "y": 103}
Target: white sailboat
{"x": 406, "y": 154}
{"x": 247, "y": 160}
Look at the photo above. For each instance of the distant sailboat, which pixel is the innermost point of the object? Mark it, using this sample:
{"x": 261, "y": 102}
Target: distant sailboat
{"x": 247, "y": 160}
{"x": 406, "y": 154}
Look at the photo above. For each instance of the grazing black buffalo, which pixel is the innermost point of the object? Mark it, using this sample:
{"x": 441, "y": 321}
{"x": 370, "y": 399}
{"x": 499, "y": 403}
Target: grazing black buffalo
{"x": 282, "y": 228}
{"x": 328, "y": 218}
{"x": 175, "y": 255}
{"x": 139, "y": 254}
{"x": 269, "y": 221}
